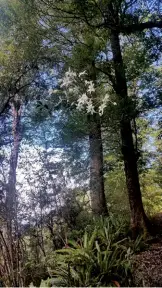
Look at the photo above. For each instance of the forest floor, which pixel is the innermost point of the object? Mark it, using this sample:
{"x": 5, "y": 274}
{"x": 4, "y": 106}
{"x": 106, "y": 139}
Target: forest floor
{"x": 147, "y": 265}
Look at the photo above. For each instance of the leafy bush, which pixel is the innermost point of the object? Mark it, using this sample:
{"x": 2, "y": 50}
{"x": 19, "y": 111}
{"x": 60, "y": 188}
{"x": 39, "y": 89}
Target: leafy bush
{"x": 101, "y": 258}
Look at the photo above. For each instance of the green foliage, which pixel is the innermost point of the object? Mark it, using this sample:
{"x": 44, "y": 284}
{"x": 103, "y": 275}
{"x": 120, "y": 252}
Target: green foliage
{"x": 115, "y": 190}
{"x": 151, "y": 191}
{"x": 97, "y": 259}
{"x": 46, "y": 283}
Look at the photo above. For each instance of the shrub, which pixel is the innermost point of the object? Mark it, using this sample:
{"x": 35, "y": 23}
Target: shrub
{"x": 102, "y": 257}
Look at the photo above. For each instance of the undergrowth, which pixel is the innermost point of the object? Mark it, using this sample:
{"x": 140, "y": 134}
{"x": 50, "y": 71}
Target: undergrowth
{"x": 102, "y": 257}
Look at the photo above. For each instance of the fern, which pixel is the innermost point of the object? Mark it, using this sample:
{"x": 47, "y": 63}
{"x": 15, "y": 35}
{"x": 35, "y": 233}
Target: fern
{"x": 102, "y": 257}
{"x": 94, "y": 260}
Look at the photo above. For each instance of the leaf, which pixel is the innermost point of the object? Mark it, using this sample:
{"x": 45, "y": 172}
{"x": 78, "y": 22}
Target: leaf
{"x": 74, "y": 274}
{"x": 97, "y": 246}
{"x": 74, "y": 244}
{"x": 65, "y": 251}
{"x": 85, "y": 241}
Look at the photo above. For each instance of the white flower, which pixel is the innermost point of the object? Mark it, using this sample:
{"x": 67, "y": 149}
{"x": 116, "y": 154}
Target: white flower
{"x": 66, "y": 82}
{"x": 82, "y": 74}
{"x": 68, "y": 79}
{"x": 91, "y": 87}
{"x": 101, "y": 109}
{"x": 70, "y": 74}
{"x": 114, "y": 103}
{"x": 87, "y": 82}
{"x": 83, "y": 99}
{"x": 79, "y": 106}
{"x": 90, "y": 107}
{"x": 106, "y": 98}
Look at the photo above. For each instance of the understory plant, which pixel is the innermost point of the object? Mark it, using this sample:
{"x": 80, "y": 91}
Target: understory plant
{"x": 102, "y": 257}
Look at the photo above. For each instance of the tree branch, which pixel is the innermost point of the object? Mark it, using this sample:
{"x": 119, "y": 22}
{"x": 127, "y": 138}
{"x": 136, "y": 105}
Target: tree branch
{"x": 128, "y": 29}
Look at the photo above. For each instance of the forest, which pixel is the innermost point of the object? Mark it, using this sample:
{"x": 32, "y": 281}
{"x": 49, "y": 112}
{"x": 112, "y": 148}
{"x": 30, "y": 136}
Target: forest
{"x": 80, "y": 143}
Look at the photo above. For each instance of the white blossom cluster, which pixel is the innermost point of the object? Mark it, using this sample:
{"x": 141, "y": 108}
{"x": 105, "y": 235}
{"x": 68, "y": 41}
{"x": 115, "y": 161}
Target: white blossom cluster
{"x": 76, "y": 87}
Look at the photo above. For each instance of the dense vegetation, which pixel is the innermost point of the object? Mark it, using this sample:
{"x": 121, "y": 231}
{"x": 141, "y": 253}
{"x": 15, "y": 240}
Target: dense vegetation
{"x": 80, "y": 141}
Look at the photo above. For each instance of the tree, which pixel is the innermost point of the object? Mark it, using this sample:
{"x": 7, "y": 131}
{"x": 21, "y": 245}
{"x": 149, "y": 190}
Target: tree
{"x": 87, "y": 46}
{"x": 117, "y": 18}
{"x": 88, "y": 52}
{"x": 19, "y": 70}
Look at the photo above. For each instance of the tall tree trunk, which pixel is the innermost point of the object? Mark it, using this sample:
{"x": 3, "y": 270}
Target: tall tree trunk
{"x": 16, "y": 113}
{"x": 11, "y": 201}
{"x": 97, "y": 193}
{"x": 138, "y": 217}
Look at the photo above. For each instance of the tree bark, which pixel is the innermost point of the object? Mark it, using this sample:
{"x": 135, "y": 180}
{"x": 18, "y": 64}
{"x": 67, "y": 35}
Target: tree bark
{"x": 97, "y": 193}
{"x": 11, "y": 198}
{"x": 16, "y": 113}
{"x": 139, "y": 219}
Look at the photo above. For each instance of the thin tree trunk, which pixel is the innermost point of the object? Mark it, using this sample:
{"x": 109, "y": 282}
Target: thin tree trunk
{"x": 11, "y": 197}
{"x": 138, "y": 217}
{"x": 97, "y": 193}
{"x": 11, "y": 201}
